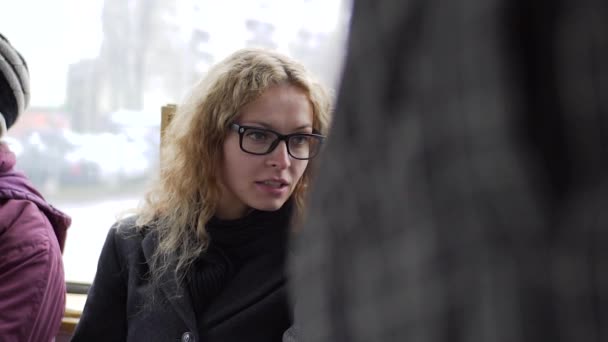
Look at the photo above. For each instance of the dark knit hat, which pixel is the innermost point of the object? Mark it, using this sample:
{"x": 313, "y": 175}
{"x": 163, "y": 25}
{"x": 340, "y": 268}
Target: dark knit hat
{"x": 14, "y": 84}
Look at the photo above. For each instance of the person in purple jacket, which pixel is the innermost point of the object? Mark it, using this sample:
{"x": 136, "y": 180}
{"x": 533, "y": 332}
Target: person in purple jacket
{"x": 32, "y": 232}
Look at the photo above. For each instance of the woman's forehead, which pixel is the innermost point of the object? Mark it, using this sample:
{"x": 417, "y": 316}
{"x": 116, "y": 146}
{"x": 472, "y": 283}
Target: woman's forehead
{"x": 279, "y": 106}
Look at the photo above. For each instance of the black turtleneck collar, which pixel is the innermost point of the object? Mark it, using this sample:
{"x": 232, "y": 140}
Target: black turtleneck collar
{"x": 234, "y": 243}
{"x": 245, "y": 237}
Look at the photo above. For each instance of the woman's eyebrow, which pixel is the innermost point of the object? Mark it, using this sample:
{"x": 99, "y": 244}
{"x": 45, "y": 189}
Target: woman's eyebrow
{"x": 303, "y": 127}
{"x": 258, "y": 123}
{"x": 268, "y": 126}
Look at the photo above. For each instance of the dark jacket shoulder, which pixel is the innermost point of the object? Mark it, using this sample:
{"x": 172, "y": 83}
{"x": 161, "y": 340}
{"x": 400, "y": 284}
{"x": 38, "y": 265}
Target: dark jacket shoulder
{"x": 116, "y": 307}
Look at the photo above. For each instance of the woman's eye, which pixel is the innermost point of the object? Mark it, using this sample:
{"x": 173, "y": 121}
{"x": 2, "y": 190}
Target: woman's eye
{"x": 257, "y": 135}
{"x": 299, "y": 140}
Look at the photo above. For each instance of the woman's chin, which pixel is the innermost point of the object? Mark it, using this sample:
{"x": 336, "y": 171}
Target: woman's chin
{"x": 269, "y": 205}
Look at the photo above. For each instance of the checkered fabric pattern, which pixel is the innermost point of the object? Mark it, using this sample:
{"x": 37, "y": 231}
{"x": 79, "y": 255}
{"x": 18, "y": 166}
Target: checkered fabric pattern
{"x": 463, "y": 193}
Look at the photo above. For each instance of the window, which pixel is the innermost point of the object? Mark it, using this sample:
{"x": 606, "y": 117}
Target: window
{"x": 101, "y": 70}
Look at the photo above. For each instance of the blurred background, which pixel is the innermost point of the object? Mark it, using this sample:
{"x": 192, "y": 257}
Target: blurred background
{"x": 100, "y": 71}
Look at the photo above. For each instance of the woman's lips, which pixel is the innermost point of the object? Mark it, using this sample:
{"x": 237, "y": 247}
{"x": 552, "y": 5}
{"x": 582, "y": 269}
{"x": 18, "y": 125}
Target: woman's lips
{"x": 273, "y": 188}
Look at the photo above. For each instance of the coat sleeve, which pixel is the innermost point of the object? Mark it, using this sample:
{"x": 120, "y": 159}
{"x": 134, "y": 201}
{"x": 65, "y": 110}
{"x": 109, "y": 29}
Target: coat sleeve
{"x": 32, "y": 284}
{"x": 104, "y": 314}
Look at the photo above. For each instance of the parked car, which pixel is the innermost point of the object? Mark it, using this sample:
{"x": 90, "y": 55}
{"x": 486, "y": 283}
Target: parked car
{"x": 41, "y": 158}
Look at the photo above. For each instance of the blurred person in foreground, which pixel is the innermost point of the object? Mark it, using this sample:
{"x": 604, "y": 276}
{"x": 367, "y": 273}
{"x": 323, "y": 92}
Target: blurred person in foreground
{"x": 204, "y": 258}
{"x": 463, "y": 195}
{"x": 32, "y": 232}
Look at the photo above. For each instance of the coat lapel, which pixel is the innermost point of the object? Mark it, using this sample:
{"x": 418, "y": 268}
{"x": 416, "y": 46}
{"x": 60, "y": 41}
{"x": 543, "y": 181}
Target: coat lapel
{"x": 175, "y": 293}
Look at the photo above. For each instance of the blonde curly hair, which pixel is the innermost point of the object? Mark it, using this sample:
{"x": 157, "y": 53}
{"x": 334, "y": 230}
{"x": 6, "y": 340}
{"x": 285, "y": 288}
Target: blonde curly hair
{"x": 187, "y": 192}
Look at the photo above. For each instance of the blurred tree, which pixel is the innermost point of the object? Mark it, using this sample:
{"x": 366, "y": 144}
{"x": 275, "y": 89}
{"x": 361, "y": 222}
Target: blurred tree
{"x": 261, "y": 34}
{"x": 323, "y": 52}
{"x": 82, "y": 91}
{"x": 141, "y": 53}
{"x": 199, "y": 51}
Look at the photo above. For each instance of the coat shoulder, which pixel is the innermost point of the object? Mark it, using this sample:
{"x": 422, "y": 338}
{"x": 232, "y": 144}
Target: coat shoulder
{"x": 127, "y": 239}
{"x": 127, "y": 232}
{"x": 23, "y": 225}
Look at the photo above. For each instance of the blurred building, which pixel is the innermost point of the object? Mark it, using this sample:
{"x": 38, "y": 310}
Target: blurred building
{"x": 153, "y": 51}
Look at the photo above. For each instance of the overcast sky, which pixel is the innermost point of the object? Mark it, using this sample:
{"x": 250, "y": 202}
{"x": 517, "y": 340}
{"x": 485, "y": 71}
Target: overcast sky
{"x": 44, "y": 32}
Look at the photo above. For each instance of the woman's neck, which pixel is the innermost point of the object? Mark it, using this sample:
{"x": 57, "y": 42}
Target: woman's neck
{"x": 228, "y": 214}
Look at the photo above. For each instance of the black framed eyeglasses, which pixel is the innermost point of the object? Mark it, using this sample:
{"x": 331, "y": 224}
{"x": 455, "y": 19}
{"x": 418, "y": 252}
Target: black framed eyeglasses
{"x": 260, "y": 141}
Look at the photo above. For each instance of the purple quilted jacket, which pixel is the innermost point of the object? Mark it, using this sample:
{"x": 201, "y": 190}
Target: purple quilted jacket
{"x": 32, "y": 236}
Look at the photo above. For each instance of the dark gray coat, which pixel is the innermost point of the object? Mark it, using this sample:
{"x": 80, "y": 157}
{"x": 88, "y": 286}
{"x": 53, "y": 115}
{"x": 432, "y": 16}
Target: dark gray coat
{"x": 115, "y": 309}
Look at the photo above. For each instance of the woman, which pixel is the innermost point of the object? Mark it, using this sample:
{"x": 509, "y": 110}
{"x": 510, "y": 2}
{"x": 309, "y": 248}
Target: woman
{"x": 203, "y": 260}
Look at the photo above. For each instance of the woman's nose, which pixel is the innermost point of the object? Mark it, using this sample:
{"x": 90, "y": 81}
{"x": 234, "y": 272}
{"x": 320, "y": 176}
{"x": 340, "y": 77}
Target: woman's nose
{"x": 279, "y": 157}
